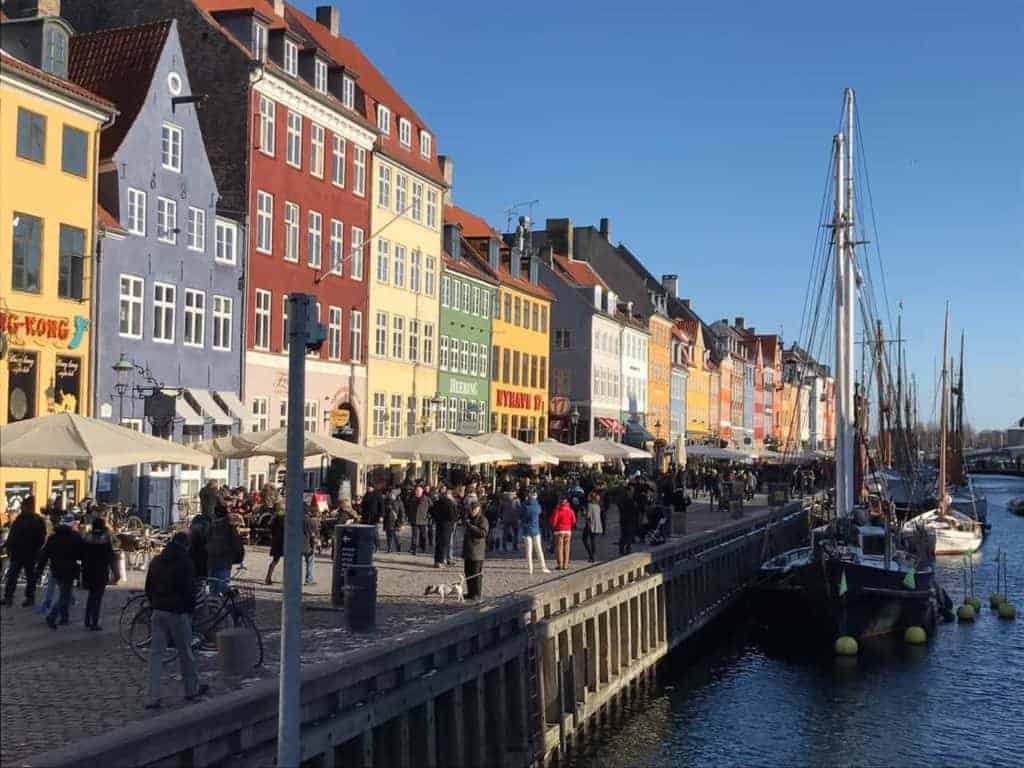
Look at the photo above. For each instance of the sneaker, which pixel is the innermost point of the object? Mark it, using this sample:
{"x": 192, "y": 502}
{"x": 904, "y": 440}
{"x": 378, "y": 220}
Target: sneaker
{"x": 546, "y": 570}
{"x": 203, "y": 688}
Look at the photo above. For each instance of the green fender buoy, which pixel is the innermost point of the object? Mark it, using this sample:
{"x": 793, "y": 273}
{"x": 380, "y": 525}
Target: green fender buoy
{"x": 995, "y": 600}
{"x": 915, "y": 636}
{"x": 974, "y": 602}
{"x": 965, "y": 613}
{"x": 846, "y": 646}
{"x": 1007, "y": 611}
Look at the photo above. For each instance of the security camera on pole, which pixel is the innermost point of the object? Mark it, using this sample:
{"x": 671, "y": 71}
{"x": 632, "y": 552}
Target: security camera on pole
{"x": 305, "y": 334}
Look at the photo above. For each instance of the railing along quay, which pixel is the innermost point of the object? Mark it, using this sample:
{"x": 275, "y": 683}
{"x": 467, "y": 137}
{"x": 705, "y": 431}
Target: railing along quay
{"x": 514, "y": 682}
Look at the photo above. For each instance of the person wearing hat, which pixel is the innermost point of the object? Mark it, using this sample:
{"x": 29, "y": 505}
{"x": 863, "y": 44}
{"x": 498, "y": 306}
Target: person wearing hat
{"x": 26, "y": 538}
{"x": 62, "y": 552}
{"x": 97, "y": 563}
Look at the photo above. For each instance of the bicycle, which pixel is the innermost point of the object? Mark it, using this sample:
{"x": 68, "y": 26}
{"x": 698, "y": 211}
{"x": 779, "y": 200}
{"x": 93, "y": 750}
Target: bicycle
{"x": 233, "y": 608}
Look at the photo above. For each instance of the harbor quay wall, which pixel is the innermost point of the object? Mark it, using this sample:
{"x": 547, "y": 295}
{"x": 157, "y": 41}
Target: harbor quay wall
{"x": 516, "y": 681}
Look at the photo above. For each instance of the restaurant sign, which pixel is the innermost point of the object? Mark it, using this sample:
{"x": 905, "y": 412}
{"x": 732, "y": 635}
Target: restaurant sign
{"x": 63, "y": 332}
{"x": 506, "y": 398}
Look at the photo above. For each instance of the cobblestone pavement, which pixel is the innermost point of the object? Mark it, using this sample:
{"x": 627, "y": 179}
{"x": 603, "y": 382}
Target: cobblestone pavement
{"x": 60, "y": 686}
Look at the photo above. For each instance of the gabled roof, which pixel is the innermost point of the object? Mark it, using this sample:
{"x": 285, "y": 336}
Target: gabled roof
{"x": 119, "y": 65}
{"x": 65, "y": 86}
{"x": 472, "y": 225}
{"x": 580, "y": 272}
{"x": 469, "y": 265}
{"x": 261, "y": 7}
{"x": 107, "y": 221}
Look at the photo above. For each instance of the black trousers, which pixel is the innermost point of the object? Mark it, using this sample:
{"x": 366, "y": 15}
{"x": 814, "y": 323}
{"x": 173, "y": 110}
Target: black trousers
{"x": 474, "y": 570}
{"x": 419, "y": 539}
{"x": 93, "y": 604}
{"x": 589, "y": 543}
{"x": 442, "y": 543}
{"x": 14, "y": 569}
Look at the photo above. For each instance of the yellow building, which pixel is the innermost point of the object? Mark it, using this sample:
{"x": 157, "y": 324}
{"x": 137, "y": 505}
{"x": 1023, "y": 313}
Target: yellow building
{"x": 49, "y": 144}
{"x": 699, "y": 419}
{"x": 659, "y": 358}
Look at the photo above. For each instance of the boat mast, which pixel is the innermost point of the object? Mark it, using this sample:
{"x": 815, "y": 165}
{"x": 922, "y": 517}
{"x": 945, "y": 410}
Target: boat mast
{"x": 844, "y": 315}
{"x": 943, "y": 416}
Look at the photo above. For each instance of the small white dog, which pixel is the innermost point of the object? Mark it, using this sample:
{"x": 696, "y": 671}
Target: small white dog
{"x": 456, "y": 590}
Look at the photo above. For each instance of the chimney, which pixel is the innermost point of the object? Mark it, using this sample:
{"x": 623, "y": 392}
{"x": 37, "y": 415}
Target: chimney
{"x": 534, "y": 269}
{"x": 494, "y": 254}
{"x": 544, "y": 255}
{"x": 671, "y": 285}
{"x": 329, "y": 16}
{"x": 453, "y": 240}
{"x": 448, "y": 171}
{"x": 560, "y": 236}
{"x": 279, "y": 8}
{"x": 739, "y": 323}
{"x": 629, "y": 309}
{"x": 606, "y": 229}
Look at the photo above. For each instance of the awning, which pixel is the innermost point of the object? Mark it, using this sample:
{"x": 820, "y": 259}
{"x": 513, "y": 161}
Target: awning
{"x": 210, "y": 408}
{"x": 612, "y": 426}
{"x": 637, "y": 433}
{"x": 187, "y": 413}
{"x": 236, "y": 409}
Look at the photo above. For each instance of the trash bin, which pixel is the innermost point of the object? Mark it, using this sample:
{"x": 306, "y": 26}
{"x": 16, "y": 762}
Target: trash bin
{"x": 361, "y": 597}
{"x": 353, "y": 545}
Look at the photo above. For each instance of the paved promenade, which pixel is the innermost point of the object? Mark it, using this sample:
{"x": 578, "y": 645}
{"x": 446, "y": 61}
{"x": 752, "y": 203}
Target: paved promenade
{"x": 58, "y": 687}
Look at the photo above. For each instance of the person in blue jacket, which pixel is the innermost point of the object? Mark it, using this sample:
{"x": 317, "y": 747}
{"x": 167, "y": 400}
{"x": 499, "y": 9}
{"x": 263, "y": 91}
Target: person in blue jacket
{"x": 530, "y": 524}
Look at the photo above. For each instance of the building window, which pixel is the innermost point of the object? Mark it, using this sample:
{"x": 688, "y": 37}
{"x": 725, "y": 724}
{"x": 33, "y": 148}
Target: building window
{"x": 414, "y": 340}
{"x": 432, "y": 208}
{"x": 533, "y": 371}
{"x": 337, "y": 246}
{"x": 264, "y": 222}
{"x": 415, "y": 259}
{"x": 356, "y": 245}
{"x": 226, "y": 241}
{"x": 284, "y": 323}
{"x": 380, "y": 347}
{"x": 320, "y": 75}
{"x": 348, "y": 92}
{"x": 384, "y": 186}
{"x": 446, "y": 290}
{"x": 543, "y": 319}
{"x": 267, "y": 109}
{"x": 259, "y": 414}
{"x": 426, "y": 145}
{"x": 70, "y": 277}
{"x": 417, "y": 201}
{"x": 195, "y": 318}
{"x": 291, "y": 232}
{"x": 442, "y": 360}
{"x": 399, "y": 266}
{"x": 130, "y": 307}
{"x": 495, "y": 362}
{"x": 316, "y": 150}
{"x": 222, "y": 306}
{"x": 401, "y": 192}
{"x": 464, "y": 356}
{"x": 291, "y": 58}
{"x": 338, "y": 161}
{"x": 261, "y": 328}
{"x": 196, "y": 229}
{"x": 283, "y": 413}
{"x": 334, "y": 333}
{"x": 379, "y": 414}
{"x": 384, "y": 119}
{"x": 136, "y": 211}
{"x": 383, "y": 259}
{"x": 398, "y": 337}
{"x": 259, "y": 41}
{"x": 74, "y": 151}
{"x": 358, "y": 171}
{"x": 428, "y": 343}
{"x": 55, "y": 60}
{"x": 355, "y": 335}
{"x": 534, "y": 317}
{"x": 517, "y": 313}
{"x": 166, "y": 220}
{"x": 428, "y": 276}
{"x": 31, "y": 141}
{"x": 563, "y": 338}
{"x": 163, "y": 312}
{"x": 474, "y": 359}
{"x": 396, "y": 416}
{"x": 293, "y": 149}
{"x": 404, "y": 132}
{"x": 170, "y": 147}
{"x": 310, "y": 416}
{"x": 314, "y": 240}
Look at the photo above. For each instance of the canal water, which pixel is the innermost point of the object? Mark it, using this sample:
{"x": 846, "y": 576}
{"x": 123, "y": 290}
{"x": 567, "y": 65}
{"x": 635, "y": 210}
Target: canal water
{"x": 735, "y": 702}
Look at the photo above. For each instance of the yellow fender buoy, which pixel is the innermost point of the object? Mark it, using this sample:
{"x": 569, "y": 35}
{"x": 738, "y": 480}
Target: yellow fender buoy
{"x": 995, "y": 600}
{"x": 974, "y": 602}
{"x": 965, "y": 613}
{"x": 915, "y": 636}
{"x": 846, "y": 646}
{"x": 1007, "y": 611}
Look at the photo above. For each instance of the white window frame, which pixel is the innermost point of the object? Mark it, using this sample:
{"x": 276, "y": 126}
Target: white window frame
{"x": 166, "y": 220}
{"x": 380, "y": 335}
{"x": 320, "y": 74}
{"x": 348, "y": 91}
{"x": 413, "y": 344}
{"x": 356, "y": 244}
{"x": 442, "y": 357}
{"x": 338, "y": 160}
{"x": 291, "y": 232}
{"x": 260, "y": 412}
{"x": 223, "y": 308}
{"x": 397, "y": 337}
{"x": 291, "y": 57}
{"x": 383, "y": 259}
{"x": 416, "y": 209}
{"x": 268, "y": 111}
{"x": 426, "y": 144}
{"x": 399, "y": 268}
{"x": 395, "y": 416}
{"x": 196, "y": 229}
{"x": 168, "y": 308}
{"x": 314, "y": 239}
{"x": 171, "y": 140}
{"x": 136, "y": 223}
{"x": 225, "y": 250}
{"x": 194, "y": 310}
{"x": 311, "y": 416}
{"x": 336, "y": 248}
{"x": 432, "y": 208}
{"x": 427, "y": 358}
{"x": 404, "y": 132}
{"x": 133, "y": 300}
{"x": 261, "y": 323}
{"x": 317, "y": 139}
{"x": 264, "y": 222}
{"x": 359, "y": 171}
{"x": 258, "y": 44}
{"x": 384, "y": 186}
{"x": 384, "y": 119}
{"x": 415, "y": 268}
{"x": 380, "y": 414}
{"x": 355, "y": 335}
{"x": 401, "y": 192}
{"x": 334, "y": 329}
{"x": 293, "y": 145}
{"x": 429, "y": 275}
{"x": 446, "y": 291}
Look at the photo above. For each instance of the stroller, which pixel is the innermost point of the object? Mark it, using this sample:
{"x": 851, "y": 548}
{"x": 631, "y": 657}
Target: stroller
{"x": 655, "y": 530}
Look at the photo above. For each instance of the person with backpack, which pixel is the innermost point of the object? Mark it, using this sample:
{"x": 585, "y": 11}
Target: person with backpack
{"x": 224, "y": 549}
{"x": 198, "y": 531}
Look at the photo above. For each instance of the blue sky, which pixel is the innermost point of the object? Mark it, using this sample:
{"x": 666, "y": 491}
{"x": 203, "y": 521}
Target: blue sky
{"x": 702, "y": 130}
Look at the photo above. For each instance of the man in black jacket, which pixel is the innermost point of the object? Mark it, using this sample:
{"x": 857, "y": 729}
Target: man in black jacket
{"x": 445, "y": 514}
{"x": 170, "y": 588}
{"x": 474, "y": 548}
{"x": 62, "y": 551}
{"x": 26, "y": 538}
{"x": 372, "y": 511}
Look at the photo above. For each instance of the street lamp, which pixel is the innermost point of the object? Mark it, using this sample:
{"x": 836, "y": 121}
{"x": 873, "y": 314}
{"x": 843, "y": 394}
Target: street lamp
{"x": 123, "y": 368}
{"x": 574, "y": 417}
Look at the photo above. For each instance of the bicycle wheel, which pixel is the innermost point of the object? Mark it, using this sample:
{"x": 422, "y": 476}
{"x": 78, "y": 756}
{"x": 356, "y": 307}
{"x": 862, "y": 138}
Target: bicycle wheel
{"x": 141, "y": 635}
{"x": 243, "y": 621}
{"x": 128, "y": 610}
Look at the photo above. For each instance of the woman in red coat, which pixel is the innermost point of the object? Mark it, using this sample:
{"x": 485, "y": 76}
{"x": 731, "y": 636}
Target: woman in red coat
{"x": 562, "y": 522}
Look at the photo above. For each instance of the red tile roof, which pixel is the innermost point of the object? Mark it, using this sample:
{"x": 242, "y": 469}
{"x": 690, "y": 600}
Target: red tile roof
{"x": 472, "y": 225}
{"x": 262, "y": 7}
{"x": 106, "y": 219}
{"x": 467, "y": 267}
{"x": 580, "y": 271}
{"x": 59, "y": 83}
{"x": 119, "y": 65}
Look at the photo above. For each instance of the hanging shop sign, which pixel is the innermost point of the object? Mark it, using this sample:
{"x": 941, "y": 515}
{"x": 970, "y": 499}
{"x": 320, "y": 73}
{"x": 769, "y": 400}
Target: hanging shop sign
{"x": 25, "y": 327}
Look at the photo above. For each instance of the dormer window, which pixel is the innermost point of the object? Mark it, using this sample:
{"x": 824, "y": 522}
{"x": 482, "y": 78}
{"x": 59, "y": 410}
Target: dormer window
{"x": 405, "y": 132}
{"x": 320, "y": 75}
{"x": 259, "y": 41}
{"x": 291, "y": 58}
{"x": 348, "y": 92}
{"x": 426, "y": 142}
{"x": 384, "y": 119}
{"x": 55, "y": 60}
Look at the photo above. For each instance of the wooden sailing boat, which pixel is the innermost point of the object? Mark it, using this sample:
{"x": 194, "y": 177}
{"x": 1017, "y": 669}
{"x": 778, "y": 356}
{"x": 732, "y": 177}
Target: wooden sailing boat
{"x": 965, "y": 497}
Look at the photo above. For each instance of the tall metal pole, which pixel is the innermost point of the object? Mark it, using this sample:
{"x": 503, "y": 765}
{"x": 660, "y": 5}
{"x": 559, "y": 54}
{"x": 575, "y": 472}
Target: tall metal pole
{"x": 289, "y": 690}
{"x": 849, "y": 280}
{"x": 943, "y": 417}
{"x": 844, "y": 465}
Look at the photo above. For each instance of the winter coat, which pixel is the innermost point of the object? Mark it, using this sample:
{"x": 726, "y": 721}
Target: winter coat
{"x": 593, "y": 513}
{"x": 418, "y": 510}
{"x": 310, "y": 534}
{"x": 198, "y": 531}
{"x": 392, "y": 514}
{"x": 530, "y": 517}
{"x": 563, "y": 519}
{"x": 277, "y": 536}
{"x": 445, "y": 511}
{"x": 170, "y": 581}
{"x": 62, "y": 551}
{"x": 474, "y": 542}
{"x": 508, "y": 507}
{"x": 26, "y": 537}
{"x": 372, "y": 508}
{"x": 224, "y": 546}
{"x": 208, "y": 500}
{"x": 97, "y": 559}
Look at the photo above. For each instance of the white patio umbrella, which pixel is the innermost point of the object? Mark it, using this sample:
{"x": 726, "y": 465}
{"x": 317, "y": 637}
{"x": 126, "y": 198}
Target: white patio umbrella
{"x": 444, "y": 447}
{"x": 611, "y": 450}
{"x": 274, "y": 443}
{"x": 569, "y": 454}
{"x": 522, "y": 453}
{"x": 67, "y": 441}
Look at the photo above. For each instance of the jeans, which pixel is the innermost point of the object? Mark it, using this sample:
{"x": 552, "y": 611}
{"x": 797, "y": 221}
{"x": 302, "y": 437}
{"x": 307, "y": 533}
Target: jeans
{"x": 511, "y": 538}
{"x": 176, "y": 629}
{"x": 442, "y": 543}
{"x": 531, "y": 543}
{"x": 391, "y": 535}
{"x": 474, "y": 571}
{"x": 309, "y": 558}
{"x": 419, "y": 539}
{"x": 223, "y": 579}
{"x": 13, "y": 571}
{"x": 65, "y": 588}
{"x": 93, "y": 604}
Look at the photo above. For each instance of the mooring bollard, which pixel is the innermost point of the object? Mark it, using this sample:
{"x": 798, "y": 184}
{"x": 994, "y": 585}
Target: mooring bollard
{"x": 236, "y": 652}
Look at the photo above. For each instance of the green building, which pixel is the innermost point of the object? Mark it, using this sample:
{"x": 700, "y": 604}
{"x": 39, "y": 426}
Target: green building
{"x": 464, "y": 342}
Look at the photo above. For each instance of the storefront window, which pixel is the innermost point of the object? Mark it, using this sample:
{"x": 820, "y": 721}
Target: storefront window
{"x": 21, "y": 385}
{"x": 67, "y": 392}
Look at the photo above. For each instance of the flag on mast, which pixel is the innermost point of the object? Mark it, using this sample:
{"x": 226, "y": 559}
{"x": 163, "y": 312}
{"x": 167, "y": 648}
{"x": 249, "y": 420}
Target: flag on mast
{"x": 842, "y": 584}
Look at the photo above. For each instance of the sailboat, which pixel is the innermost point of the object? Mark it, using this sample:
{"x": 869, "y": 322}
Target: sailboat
{"x": 955, "y": 533}
{"x": 852, "y": 579}
{"x": 965, "y": 497}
